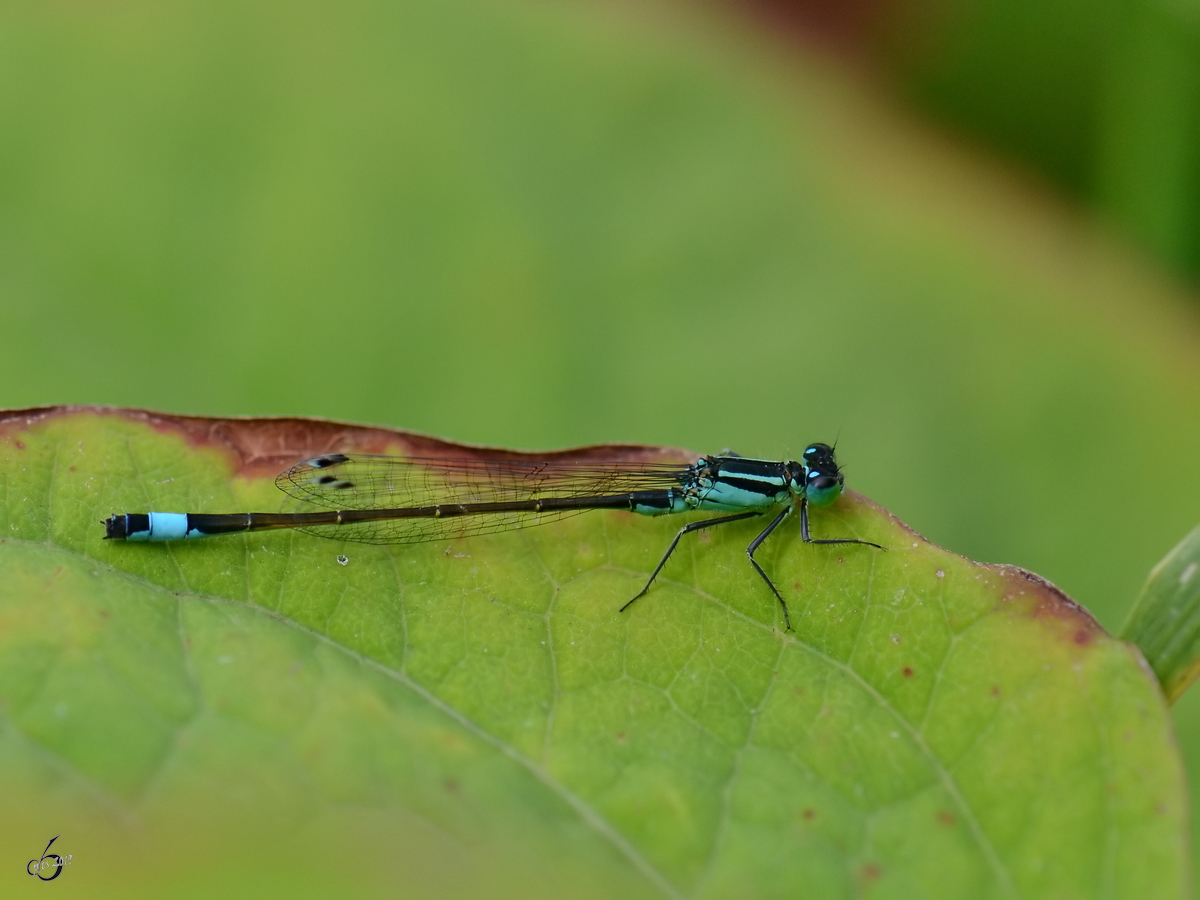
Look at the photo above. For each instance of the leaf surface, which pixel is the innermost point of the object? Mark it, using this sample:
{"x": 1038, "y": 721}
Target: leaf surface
{"x": 480, "y": 716}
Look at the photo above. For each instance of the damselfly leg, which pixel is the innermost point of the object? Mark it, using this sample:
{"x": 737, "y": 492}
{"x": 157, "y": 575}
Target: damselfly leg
{"x": 750, "y": 550}
{"x": 686, "y": 529}
{"x": 754, "y": 545}
{"x": 812, "y": 540}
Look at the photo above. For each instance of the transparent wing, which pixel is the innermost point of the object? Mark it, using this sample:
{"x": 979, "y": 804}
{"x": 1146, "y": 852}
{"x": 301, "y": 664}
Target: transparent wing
{"x": 345, "y": 481}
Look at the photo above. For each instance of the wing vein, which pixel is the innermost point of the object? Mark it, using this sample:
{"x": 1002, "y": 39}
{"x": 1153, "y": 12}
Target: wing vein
{"x": 362, "y": 482}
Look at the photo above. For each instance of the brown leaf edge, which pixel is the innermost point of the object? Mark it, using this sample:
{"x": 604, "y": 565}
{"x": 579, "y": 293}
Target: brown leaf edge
{"x": 261, "y": 446}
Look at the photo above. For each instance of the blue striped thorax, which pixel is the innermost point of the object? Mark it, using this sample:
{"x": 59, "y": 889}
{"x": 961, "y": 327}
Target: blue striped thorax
{"x": 733, "y": 483}
{"x": 748, "y": 487}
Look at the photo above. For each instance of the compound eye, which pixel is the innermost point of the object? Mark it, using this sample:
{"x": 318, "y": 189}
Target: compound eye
{"x": 819, "y": 482}
{"x": 822, "y": 489}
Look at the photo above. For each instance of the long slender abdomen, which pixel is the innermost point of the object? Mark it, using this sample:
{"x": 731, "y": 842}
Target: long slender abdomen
{"x": 159, "y": 526}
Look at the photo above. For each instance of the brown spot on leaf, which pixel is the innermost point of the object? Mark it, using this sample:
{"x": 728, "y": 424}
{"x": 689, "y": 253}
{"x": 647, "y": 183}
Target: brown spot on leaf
{"x": 995, "y": 690}
{"x": 19, "y": 445}
{"x": 945, "y": 817}
{"x": 871, "y": 872}
{"x": 1048, "y": 602}
{"x": 450, "y": 785}
{"x": 261, "y": 447}
{"x": 621, "y": 736}
{"x": 908, "y": 672}
{"x": 798, "y": 691}
{"x": 70, "y": 468}
{"x": 809, "y": 814}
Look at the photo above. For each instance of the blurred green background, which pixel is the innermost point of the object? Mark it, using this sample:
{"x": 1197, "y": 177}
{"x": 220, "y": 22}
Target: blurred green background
{"x": 960, "y": 238}
{"x": 1101, "y": 97}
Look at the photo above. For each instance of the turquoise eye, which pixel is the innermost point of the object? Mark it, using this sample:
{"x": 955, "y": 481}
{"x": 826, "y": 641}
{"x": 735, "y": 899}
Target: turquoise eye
{"x": 821, "y": 490}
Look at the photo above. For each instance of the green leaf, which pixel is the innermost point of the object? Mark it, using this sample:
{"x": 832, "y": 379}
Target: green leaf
{"x": 476, "y": 717}
{"x": 1165, "y": 621}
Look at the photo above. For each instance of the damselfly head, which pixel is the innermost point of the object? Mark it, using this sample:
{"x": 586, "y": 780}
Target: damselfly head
{"x": 822, "y": 479}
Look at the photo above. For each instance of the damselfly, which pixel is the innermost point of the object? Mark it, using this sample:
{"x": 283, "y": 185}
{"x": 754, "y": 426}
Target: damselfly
{"x": 390, "y": 500}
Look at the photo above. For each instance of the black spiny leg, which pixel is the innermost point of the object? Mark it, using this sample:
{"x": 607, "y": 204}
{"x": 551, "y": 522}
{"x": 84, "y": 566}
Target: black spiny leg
{"x": 694, "y": 526}
{"x": 812, "y": 540}
{"x": 754, "y": 545}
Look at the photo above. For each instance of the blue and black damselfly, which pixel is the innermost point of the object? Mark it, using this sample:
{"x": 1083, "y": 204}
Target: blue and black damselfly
{"x": 389, "y": 500}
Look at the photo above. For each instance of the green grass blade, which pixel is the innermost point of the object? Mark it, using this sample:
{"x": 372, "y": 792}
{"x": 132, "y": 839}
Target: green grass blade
{"x": 1165, "y": 621}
